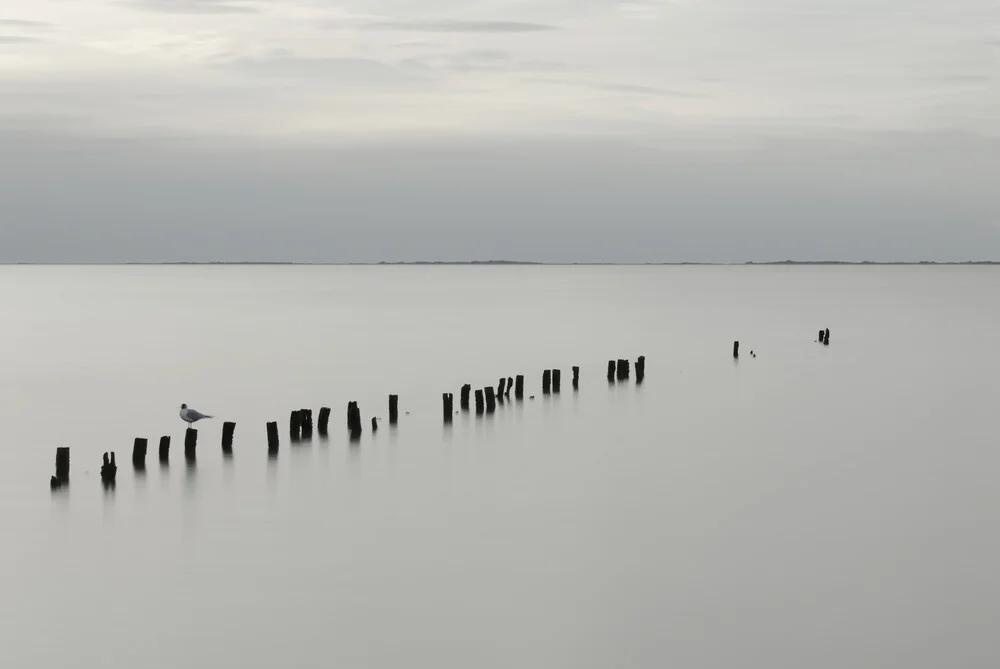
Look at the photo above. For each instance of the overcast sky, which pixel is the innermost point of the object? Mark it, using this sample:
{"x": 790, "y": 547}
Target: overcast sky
{"x": 562, "y": 130}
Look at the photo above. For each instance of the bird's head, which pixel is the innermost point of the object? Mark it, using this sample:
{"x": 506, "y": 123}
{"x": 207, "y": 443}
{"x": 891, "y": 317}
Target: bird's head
{"x": 184, "y": 406}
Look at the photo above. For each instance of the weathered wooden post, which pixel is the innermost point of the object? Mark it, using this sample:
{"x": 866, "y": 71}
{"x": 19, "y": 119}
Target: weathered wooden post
{"x": 448, "y": 406}
{"x": 165, "y": 449}
{"x": 62, "y": 465}
{"x": 323, "y": 421}
{"x": 374, "y": 424}
{"x": 190, "y": 444}
{"x": 501, "y": 387}
{"x": 546, "y": 381}
{"x": 519, "y": 387}
{"x": 576, "y": 377}
{"x": 510, "y": 386}
{"x": 306, "y": 424}
{"x": 109, "y": 470}
{"x": 611, "y": 371}
{"x": 479, "y": 402}
{"x": 139, "y": 453}
{"x": 393, "y": 409}
{"x": 556, "y": 381}
{"x": 623, "y": 369}
{"x": 491, "y": 399}
{"x": 821, "y": 334}
{"x": 272, "y": 438}
{"x": 463, "y": 398}
{"x": 295, "y": 426}
{"x": 640, "y": 369}
{"x": 736, "y": 349}
{"x": 227, "y": 437}
{"x": 826, "y": 337}
{"x": 354, "y": 420}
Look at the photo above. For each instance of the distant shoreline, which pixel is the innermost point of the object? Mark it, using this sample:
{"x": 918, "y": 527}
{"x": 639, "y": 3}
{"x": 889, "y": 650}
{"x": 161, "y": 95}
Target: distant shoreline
{"x": 521, "y": 262}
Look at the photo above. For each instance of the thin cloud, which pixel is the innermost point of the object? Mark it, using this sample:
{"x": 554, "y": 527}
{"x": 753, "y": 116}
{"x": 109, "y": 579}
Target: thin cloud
{"x": 24, "y": 23}
{"x": 193, "y": 6}
{"x": 616, "y": 87}
{"x": 17, "y": 39}
{"x": 352, "y": 72}
{"x": 450, "y": 26}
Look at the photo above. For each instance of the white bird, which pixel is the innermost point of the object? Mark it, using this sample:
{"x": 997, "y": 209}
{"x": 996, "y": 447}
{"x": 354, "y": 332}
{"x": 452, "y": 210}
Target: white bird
{"x": 190, "y": 415}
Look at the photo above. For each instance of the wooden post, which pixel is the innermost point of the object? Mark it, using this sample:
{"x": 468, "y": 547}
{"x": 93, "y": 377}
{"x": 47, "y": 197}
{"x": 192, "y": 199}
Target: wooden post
{"x": 611, "y": 371}
{"x": 374, "y": 424}
{"x": 826, "y": 337}
{"x": 272, "y": 438}
{"x": 139, "y": 453}
{"x": 447, "y": 406}
{"x": 501, "y": 387}
{"x": 62, "y": 465}
{"x": 821, "y": 334}
{"x": 479, "y": 402}
{"x": 576, "y": 377}
{"x": 354, "y": 420}
{"x": 109, "y": 470}
{"x": 622, "y": 370}
{"x": 546, "y": 381}
{"x": 164, "y": 449}
{"x": 190, "y": 444}
{"x": 519, "y": 386}
{"x": 393, "y": 409}
{"x": 227, "y": 437}
{"x": 736, "y": 349}
{"x": 295, "y": 426}
{"x": 556, "y": 381}
{"x": 463, "y": 398}
{"x": 640, "y": 369}
{"x": 306, "y": 424}
{"x": 510, "y": 385}
{"x": 491, "y": 399}
{"x": 323, "y": 421}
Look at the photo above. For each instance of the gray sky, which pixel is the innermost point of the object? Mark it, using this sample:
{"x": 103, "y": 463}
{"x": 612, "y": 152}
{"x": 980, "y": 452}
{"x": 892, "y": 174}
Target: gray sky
{"x": 590, "y": 130}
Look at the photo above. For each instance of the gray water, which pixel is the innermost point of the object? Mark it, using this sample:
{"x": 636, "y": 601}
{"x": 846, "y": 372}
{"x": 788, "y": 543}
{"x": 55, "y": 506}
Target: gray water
{"x": 820, "y": 507}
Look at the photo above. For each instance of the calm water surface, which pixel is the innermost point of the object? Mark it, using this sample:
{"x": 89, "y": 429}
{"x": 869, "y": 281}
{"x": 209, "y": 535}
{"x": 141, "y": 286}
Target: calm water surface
{"x": 813, "y": 507}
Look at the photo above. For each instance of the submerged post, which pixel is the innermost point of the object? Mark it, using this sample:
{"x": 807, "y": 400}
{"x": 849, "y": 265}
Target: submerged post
{"x": 826, "y": 337}
{"x": 62, "y": 465}
{"x": 190, "y": 444}
{"x": 139, "y": 453}
{"x": 640, "y": 369}
{"x": 463, "y": 398}
{"x": 491, "y": 399}
{"x": 510, "y": 385}
{"x": 109, "y": 470}
{"x": 546, "y": 381}
{"x": 227, "y": 437}
{"x": 272, "y": 438}
{"x": 736, "y": 349}
{"x": 393, "y": 409}
{"x": 374, "y": 423}
{"x": 519, "y": 387}
{"x": 576, "y": 377}
{"x": 323, "y": 421}
{"x": 611, "y": 371}
{"x": 821, "y": 334}
{"x": 622, "y": 370}
{"x": 479, "y": 402}
{"x": 306, "y": 424}
{"x": 295, "y": 426}
{"x": 556, "y": 380}
{"x": 354, "y": 419}
{"x": 164, "y": 449}
{"x": 447, "y": 406}
{"x": 501, "y": 387}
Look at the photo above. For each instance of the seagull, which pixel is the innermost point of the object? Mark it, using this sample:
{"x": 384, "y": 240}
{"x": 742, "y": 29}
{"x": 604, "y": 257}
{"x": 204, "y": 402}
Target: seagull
{"x": 190, "y": 415}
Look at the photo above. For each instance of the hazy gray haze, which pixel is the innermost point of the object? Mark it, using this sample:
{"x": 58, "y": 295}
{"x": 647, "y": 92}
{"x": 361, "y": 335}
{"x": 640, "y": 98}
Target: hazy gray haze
{"x": 712, "y": 130}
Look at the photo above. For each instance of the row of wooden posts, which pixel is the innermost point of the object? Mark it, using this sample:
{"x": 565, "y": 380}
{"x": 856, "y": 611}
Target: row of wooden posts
{"x": 300, "y": 423}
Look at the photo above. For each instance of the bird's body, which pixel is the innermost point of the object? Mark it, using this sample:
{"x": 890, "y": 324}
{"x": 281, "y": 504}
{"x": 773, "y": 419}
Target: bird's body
{"x": 190, "y": 415}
